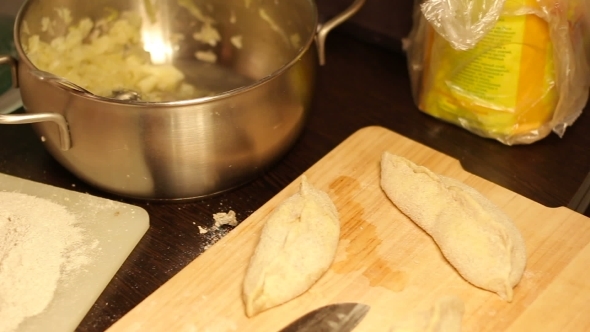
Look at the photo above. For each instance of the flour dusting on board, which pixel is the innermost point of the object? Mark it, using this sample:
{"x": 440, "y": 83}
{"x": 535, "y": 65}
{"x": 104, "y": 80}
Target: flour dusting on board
{"x": 40, "y": 243}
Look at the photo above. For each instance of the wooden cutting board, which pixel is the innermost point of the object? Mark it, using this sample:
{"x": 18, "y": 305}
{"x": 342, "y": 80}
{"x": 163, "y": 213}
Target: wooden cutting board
{"x": 384, "y": 259}
{"x": 113, "y": 229}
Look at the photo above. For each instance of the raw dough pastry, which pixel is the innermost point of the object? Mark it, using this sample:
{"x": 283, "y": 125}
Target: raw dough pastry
{"x": 474, "y": 235}
{"x": 445, "y": 315}
{"x": 297, "y": 245}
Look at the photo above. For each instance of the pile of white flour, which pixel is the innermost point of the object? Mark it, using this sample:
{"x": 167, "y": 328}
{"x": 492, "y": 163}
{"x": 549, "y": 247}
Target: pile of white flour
{"x": 40, "y": 243}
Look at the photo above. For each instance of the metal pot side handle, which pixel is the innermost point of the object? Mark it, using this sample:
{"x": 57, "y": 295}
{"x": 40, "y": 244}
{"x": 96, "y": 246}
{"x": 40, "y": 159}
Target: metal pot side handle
{"x": 64, "y": 134}
{"x": 325, "y": 28}
{"x": 9, "y": 60}
{"x": 10, "y": 99}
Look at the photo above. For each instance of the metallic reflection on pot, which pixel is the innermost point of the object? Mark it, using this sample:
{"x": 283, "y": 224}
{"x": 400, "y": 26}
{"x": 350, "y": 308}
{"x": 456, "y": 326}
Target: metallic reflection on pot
{"x": 189, "y": 148}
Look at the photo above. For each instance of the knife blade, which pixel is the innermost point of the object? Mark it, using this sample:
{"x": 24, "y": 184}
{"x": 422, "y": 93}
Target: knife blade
{"x": 338, "y": 317}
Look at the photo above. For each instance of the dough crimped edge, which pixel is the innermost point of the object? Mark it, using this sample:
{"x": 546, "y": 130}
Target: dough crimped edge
{"x": 296, "y": 247}
{"x": 475, "y": 236}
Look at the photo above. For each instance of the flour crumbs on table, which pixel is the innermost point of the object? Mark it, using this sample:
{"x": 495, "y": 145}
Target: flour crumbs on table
{"x": 223, "y": 218}
{"x": 213, "y": 235}
{"x": 217, "y": 232}
{"x": 40, "y": 244}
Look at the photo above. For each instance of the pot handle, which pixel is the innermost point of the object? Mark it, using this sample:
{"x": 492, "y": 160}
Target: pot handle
{"x": 64, "y": 134}
{"x": 10, "y": 100}
{"x": 325, "y": 28}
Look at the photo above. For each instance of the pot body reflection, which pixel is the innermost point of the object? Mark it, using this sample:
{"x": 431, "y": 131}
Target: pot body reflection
{"x": 190, "y": 148}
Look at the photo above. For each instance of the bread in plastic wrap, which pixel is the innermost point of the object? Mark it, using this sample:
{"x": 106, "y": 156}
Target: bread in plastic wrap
{"x": 513, "y": 71}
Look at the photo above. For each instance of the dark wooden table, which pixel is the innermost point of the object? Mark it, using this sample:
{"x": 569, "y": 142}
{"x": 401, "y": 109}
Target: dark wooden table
{"x": 361, "y": 85}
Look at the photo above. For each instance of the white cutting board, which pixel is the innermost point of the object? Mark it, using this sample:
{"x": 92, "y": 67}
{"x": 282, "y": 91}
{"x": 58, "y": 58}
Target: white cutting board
{"x": 115, "y": 227}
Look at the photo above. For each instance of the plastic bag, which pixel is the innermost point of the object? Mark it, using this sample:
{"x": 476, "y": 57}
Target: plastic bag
{"x": 510, "y": 70}
{"x": 462, "y": 23}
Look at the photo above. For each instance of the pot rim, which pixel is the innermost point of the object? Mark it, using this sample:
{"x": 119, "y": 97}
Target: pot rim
{"x": 185, "y": 102}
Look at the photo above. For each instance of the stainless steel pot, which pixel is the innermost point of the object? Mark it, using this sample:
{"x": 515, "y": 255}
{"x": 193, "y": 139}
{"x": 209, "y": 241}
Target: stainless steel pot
{"x": 188, "y": 148}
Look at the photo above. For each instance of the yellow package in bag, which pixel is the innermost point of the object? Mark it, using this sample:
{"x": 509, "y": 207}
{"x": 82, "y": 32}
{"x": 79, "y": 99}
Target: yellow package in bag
{"x": 507, "y": 75}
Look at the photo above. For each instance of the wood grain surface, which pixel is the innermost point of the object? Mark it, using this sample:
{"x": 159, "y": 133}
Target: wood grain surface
{"x": 384, "y": 259}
